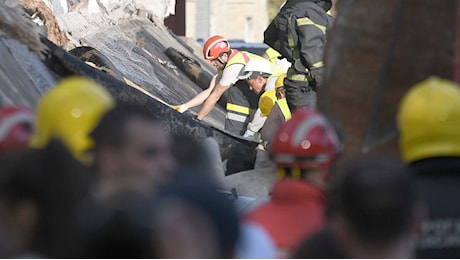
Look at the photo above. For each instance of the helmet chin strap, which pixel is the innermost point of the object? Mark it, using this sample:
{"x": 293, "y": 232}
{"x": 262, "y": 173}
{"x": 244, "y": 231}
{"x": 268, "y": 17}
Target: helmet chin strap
{"x": 221, "y": 62}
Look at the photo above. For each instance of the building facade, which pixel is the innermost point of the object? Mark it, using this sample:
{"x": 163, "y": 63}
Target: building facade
{"x": 234, "y": 19}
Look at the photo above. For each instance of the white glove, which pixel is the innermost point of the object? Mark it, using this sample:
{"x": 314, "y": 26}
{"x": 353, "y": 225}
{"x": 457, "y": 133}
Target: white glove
{"x": 181, "y": 108}
{"x": 248, "y": 133}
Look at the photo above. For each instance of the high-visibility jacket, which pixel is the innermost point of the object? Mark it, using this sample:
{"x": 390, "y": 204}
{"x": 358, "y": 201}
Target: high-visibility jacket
{"x": 282, "y": 103}
{"x": 241, "y": 101}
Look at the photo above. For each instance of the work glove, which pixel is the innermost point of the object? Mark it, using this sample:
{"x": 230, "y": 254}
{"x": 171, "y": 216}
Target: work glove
{"x": 318, "y": 77}
{"x": 180, "y": 108}
{"x": 248, "y": 133}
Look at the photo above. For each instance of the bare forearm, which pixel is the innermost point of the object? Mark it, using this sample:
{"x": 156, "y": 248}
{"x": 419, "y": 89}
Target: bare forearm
{"x": 207, "y": 106}
{"x": 198, "y": 99}
{"x": 202, "y": 96}
{"x": 211, "y": 101}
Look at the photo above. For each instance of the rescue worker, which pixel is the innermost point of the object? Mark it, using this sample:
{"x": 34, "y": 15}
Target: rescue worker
{"x": 372, "y": 212}
{"x": 429, "y": 121}
{"x": 278, "y": 114}
{"x": 261, "y": 76}
{"x": 16, "y": 128}
{"x": 241, "y": 102}
{"x": 298, "y": 32}
{"x": 303, "y": 151}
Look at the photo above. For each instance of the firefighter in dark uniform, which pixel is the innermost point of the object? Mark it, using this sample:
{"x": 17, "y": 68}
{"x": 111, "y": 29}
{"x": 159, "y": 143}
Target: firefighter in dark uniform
{"x": 298, "y": 32}
{"x": 429, "y": 125}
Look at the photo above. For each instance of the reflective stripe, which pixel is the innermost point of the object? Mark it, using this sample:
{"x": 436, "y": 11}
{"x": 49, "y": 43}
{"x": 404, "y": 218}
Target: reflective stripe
{"x": 306, "y": 21}
{"x": 11, "y": 121}
{"x": 305, "y": 127}
{"x": 299, "y": 77}
{"x": 280, "y": 173}
{"x": 238, "y": 108}
{"x": 318, "y": 64}
{"x": 295, "y": 173}
{"x": 236, "y": 117}
{"x": 282, "y": 103}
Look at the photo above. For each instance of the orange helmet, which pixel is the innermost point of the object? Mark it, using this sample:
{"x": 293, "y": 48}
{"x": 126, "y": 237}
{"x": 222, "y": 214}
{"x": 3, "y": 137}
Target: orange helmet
{"x": 16, "y": 127}
{"x": 214, "y": 46}
{"x": 306, "y": 141}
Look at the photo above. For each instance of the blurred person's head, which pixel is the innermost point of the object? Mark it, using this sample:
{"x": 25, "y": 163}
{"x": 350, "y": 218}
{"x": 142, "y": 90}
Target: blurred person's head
{"x": 305, "y": 147}
{"x": 131, "y": 144}
{"x": 377, "y": 215}
{"x": 194, "y": 220}
{"x": 428, "y": 120}
{"x": 69, "y": 112}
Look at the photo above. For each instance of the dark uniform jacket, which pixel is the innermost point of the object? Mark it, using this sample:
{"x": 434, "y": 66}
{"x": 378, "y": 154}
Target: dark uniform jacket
{"x": 438, "y": 186}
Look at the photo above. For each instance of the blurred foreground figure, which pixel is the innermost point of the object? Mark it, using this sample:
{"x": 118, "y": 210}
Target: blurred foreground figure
{"x": 429, "y": 123}
{"x": 42, "y": 187}
{"x": 303, "y": 149}
{"x": 374, "y": 213}
{"x": 192, "y": 219}
{"x": 132, "y": 150}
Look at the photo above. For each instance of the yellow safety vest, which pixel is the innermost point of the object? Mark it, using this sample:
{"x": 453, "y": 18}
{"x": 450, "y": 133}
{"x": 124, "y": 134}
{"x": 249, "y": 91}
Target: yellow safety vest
{"x": 282, "y": 103}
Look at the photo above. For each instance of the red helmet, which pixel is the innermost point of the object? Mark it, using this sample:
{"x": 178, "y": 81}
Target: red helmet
{"x": 306, "y": 141}
{"x": 16, "y": 127}
{"x": 214, "y": 46}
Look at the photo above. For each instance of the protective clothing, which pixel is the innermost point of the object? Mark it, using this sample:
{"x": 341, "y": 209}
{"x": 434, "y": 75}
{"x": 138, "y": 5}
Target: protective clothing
{"x": 280, "y": 81}
{"x": 298, "y": 32}
{"x": 306, "y": 141}
{"x": 69, "y": 112}
{"x": 429, "y": 120}
{"x": 266, "y": 102}
{"x": 272, "y": 54}
{"x": 16, "y": 127}
{"x": 261, "y": 66}
{"x": 214, "y": 46}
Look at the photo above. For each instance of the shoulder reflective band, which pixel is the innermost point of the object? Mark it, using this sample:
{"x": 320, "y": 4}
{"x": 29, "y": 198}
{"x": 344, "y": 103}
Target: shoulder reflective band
{"x": 306, "y": 21}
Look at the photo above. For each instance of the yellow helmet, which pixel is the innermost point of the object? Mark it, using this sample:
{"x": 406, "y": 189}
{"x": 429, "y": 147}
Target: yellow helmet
{"x": 280, "y": 81}
{"x": 69, "y": 112}
{"x": 266, "y": 102}
{"x": 429, "y": 120}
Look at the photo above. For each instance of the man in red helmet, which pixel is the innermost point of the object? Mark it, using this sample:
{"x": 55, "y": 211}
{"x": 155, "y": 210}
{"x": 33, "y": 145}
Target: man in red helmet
{"x": 241, "y": 101}
{"x": 303, "y": 150}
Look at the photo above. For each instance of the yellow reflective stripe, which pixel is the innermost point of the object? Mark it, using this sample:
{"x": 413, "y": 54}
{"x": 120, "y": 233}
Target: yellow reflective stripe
{"x": 318, "y": 64}
{"x": 282, "y": 103}
{"x": 280, "y": 173}
{"x": 306, "y": 21}
{"x": 295, "y": 172}
{"x": 238, "y": 108}
{"x": 298, "y": 77}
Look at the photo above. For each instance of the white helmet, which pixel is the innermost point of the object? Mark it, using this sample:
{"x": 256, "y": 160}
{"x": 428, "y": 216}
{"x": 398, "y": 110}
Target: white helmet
{"x": 262, "y": 66}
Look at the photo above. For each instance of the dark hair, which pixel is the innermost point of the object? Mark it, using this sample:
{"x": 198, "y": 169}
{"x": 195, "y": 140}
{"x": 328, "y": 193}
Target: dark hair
{"x": 202, "y": 192}
{"x": 110, "y": 129}
{"x": 375, "y": 196}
